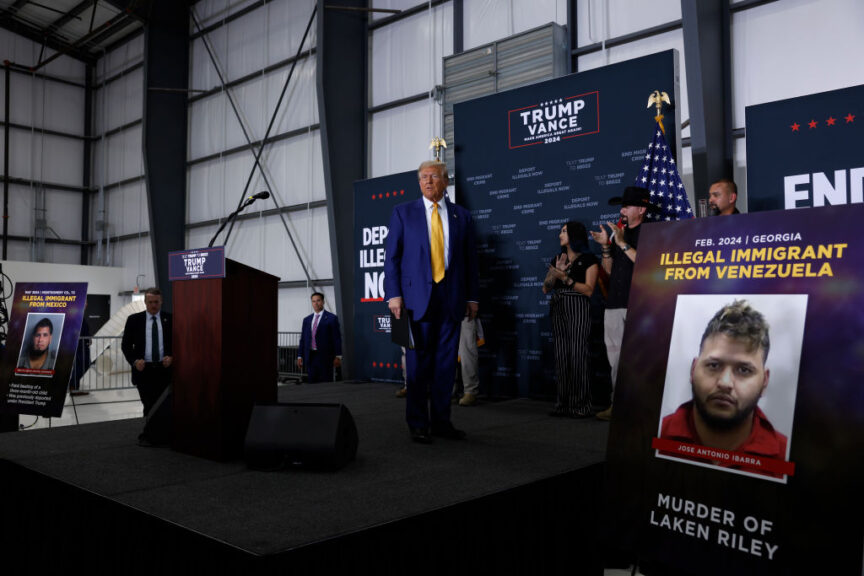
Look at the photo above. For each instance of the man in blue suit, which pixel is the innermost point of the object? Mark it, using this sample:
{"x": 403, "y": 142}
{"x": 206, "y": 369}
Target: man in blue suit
{"x": 431, "y": 275}
{"x": 320, "y": 342}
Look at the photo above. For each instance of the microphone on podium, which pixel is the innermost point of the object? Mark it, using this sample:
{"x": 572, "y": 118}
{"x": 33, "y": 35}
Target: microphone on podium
{"x": 249, "y": 200}
{"x": 260, "y": 196}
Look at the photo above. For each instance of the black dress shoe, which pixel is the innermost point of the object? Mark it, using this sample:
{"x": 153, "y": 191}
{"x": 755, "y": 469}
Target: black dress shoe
{"x": 448, "y": 431}
{"x": 420, "y": 435}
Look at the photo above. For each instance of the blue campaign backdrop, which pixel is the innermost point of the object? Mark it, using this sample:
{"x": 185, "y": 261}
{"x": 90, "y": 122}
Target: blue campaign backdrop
{"x": 806, "y": 151}
{"x": 527, "y": 161}
{"x": 376, "y": 357}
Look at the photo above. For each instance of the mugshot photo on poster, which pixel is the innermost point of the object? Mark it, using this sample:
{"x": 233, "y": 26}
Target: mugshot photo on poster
{"x": 731, "y": 382}
{"x": 39, "y": 346}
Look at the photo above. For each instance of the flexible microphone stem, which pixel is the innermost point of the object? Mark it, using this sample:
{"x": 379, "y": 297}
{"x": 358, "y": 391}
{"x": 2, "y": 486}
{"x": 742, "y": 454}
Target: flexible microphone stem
{"x": 234, "y": 214}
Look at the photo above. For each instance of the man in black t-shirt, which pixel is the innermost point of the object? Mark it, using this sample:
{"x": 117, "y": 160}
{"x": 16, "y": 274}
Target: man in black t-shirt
{"x": 619, "y": 255}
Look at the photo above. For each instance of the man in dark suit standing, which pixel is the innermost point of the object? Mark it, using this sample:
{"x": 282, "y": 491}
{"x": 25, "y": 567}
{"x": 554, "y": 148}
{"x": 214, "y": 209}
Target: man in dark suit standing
{"x": 147, "y": 346}
{"x": 431, "y": 275}
{"x": 320, "y": 342}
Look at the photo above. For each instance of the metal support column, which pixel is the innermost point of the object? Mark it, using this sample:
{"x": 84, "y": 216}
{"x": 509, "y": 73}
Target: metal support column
{"x": 458, "y": 27}
{"x": 341, "y": 78}
{"x": 166, "y": 65}
{"x": 706, "y": 43}
{"x": 6, "y": 166}
{"x": 573, "y": 35}
{"x": 89, "y": 72}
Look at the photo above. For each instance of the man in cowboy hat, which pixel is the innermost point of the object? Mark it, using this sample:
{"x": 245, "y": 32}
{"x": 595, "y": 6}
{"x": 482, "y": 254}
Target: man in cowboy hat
{"x": 619, "y": 255}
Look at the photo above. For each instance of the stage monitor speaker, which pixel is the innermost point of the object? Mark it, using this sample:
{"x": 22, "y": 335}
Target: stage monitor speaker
{"x": 319, "y": 436}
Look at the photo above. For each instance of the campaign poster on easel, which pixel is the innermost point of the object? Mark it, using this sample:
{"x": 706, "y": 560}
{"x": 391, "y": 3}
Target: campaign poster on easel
{"x": 739, "y": 417}
{"x": 44, "y": 326}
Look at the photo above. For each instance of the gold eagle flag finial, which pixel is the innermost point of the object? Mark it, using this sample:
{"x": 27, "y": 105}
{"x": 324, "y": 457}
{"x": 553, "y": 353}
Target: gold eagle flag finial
{"x": 436, "y": 144}
{"x": 657, "y": 98}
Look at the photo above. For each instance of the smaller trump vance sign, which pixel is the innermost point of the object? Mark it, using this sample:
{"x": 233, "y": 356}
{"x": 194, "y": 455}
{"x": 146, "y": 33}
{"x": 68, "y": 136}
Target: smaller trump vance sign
{"x": 195, "y": 264}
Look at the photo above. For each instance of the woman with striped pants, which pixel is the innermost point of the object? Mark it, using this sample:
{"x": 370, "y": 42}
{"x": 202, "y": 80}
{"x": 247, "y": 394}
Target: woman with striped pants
{"x": 571, "y": 278}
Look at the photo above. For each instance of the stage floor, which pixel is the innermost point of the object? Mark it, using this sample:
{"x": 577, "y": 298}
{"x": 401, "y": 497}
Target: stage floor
{"x": 510, "y": 444}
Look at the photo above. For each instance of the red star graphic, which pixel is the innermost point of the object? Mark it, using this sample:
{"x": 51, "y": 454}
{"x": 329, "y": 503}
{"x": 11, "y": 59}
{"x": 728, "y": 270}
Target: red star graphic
{"x": 812, "y": 124}
{"x": 387, "y": 195}
{"x": 850, "y": 118}
{"x": 795, "y": 127}
{"x": 831, "y": 121}
{"x": 380, "y": 195}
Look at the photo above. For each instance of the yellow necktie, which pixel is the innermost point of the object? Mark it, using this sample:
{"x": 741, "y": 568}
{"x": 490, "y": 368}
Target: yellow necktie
{"x": 437, "y": 245}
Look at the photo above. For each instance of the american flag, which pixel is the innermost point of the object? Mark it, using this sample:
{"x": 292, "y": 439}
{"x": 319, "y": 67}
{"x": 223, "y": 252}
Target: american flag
{"x": 660, "y": 175}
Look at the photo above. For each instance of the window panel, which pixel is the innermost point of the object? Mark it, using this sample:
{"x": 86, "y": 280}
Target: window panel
{"x": 120, "y": 159}
{"x": 406, "y": 55}
{"x": 21, "y": 216}
{"x": 135, "y": 256}
{"x": 490, "y": 20}
{"x": 119, "y": 102}
{"x": 63, "y": 212}
{"x": 623, "y": 17}
{"x": 400, "y": 137}
{"x": 787, "y": 49}
{"x": 207, "y": 125}
{"x": 644, "y": 47}
{"x": 46, "y": 158}
{"x": 126, "y": 210}
{"x": 296, "y": 169}
{"x": 121, "y": 58}
{"x": 45, "y": 104}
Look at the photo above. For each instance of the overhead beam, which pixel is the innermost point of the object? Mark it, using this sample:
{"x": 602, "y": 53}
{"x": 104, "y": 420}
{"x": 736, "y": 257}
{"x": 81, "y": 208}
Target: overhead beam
{"x": 141, "y": 9}
{"x": 101, "y": 34}
{"x": 32, "y": 33}
{"x": 402, "y": 14}
{"x": 73, "y": 13}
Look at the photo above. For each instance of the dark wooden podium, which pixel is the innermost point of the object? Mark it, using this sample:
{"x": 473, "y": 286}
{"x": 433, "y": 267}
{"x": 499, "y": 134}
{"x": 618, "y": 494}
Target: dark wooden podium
{"x": 225, "y": 336}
